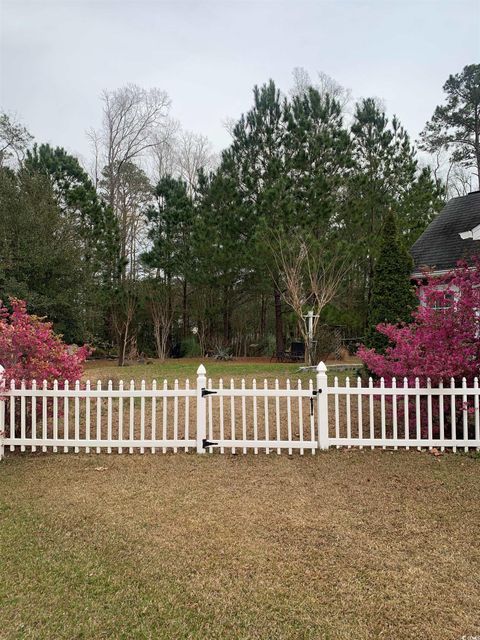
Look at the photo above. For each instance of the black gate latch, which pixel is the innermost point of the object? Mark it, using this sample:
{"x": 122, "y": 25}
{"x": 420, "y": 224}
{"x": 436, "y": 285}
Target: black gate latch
{"x": 206, "y": 443}
{"x": 315, "y": 392}
{"x": 207, "y": 392}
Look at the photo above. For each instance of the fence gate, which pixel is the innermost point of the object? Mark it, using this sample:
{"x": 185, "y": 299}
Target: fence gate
{"x": 262, "y": 417}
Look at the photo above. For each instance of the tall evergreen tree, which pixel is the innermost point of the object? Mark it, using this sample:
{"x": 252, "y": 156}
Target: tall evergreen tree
{"x": 40, "y": 252}
{"x": 393, "y": 296}
{"x": 224, "y": 246}
{"x": 259, "y": 154}
{"x": 170, "y": 229}
{"x": 79, "y": 201}
{"x": 94, "y": 225}
{"x": 456, "y": 124}
{"x": 386, "y": 176}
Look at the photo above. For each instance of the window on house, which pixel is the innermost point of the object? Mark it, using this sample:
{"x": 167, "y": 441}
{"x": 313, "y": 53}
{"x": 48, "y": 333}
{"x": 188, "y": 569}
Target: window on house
{"x": 444, "y": 302}
{"x": 443, "y": 299}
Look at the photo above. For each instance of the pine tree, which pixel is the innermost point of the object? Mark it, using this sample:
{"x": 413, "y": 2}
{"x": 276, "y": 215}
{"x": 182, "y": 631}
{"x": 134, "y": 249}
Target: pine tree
{"x": 170, "y": 228}
{"x": 386, "y": 176}
{"x": 455, "y": 125}
{"x": 393, "y": 296}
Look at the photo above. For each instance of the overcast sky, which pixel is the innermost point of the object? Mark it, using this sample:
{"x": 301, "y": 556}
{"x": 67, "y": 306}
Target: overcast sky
{"x": 56, "y": 56}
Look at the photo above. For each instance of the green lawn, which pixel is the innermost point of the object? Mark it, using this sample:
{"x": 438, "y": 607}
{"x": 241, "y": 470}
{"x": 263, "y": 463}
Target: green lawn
{"x": 183, "y": 368}
{"x": 346, "y": 544}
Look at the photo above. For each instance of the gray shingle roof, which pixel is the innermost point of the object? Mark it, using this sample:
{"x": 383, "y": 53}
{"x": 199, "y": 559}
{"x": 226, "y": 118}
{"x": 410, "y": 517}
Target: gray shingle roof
{"x": 440, "y": 246}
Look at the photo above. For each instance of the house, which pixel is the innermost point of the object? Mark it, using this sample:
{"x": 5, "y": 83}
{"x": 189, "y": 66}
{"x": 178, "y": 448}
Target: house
{"x": 452, "y": 236}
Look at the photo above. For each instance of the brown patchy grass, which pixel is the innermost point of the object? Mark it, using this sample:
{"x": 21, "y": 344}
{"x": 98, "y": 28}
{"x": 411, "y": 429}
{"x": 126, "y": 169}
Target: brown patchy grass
{"x": 346, "y": 544}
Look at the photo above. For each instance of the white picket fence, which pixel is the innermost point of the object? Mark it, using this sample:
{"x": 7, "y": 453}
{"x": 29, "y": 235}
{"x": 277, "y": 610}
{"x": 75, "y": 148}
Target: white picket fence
{"x": 219, "y": 416}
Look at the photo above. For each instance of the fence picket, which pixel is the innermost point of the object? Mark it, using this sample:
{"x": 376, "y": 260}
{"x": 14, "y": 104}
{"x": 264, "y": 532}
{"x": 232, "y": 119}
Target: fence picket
{"x": 34, "y": 414}
{"x": 406, "y": 417}
{"x": 370, "y": 411}
{"x": 476, "y": 409}
{"x": 394, "y": 412}
{"x": 55, "y": 413}
{"x": 277, "y": 414}
{"x": 337, "y": 410}
{"x": 153, "y": 419}
{"x": 441, "y": 415}
{"x": 312, "y": 415}
{"x": 77, "y": 415}
{"x": 109, "y": 416}
{"x": 142, "y": 416}
{"x": 359, "y": 410}
{"x": 187, "y": 413}
{"x": 382, "y": 413}
{"x": 120, "y": 415}
{"x": 175, "y": 415}
{"x": 164, "y": 416}
{"x": 417, "y": 411}
{"x": 232, "y": 415}
{"x": 267, "y": 428}
{"x": 99, "y": 414}
{"x": 349, "y": 414}
{"x": 244, "y": 417}
{"x": 44, "y": 415}
{"x": 131, "y": 418}
{"x": 255, "y": 425}
{"x": 289, "y": 418}
{"x": 12, "y": 414}
{"x": 429, "y": 413}
{"x": 453, "y": 412}
{"x": 465, "y": 412}
{"x": 222, "y": 427}
{"x": 23, "y": 416}
{"x": 65, "y": 417}
{"x": 87, "y": 414}
{"x": 300, "y": 415}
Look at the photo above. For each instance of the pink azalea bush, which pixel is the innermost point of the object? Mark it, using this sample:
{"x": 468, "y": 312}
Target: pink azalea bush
{"x": 30, "y": 350}
{"x": 443, "y": 339}
{"x": 442, "y": 342}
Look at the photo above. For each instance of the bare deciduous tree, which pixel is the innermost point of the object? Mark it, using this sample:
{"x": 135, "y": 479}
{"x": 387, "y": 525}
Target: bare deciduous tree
{"x": 163, "y": 155}
{"x": 123, "y": 314}
{"x": 162, "y": 310}
{"x": 133, "y": 123}
{"x": 194, "y": 152}
{"x": 14, "y": 139}
{"x": 324, "y": 85}
{"x": 308, "y": 278}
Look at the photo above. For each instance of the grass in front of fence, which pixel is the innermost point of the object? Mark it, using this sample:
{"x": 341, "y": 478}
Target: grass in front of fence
{"x": 347, "y": 544}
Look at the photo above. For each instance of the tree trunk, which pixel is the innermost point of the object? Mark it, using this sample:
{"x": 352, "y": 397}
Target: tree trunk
{"x": 184, "y": 308}
{"x": 226, "y": 317}
{"x": 279, "y": 337}
{"x": 122, "y": 348}
{"x": 263, "y": 317}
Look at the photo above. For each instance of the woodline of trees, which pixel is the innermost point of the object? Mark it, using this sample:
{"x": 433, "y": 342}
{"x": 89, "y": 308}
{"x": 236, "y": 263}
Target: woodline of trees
{"x": 164, "y": 248}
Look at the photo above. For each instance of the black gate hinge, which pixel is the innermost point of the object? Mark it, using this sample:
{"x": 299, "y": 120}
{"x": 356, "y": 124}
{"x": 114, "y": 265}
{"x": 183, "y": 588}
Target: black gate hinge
{"x": 207, "y": 392}
{"x": 206, "y": 443}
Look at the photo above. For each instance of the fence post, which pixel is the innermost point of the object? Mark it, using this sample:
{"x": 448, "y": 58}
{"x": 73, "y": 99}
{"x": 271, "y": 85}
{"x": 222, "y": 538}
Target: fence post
{"x": 2, "y": 412}
{"x": 201, "y": 408}
{"x": 322, "y": 406}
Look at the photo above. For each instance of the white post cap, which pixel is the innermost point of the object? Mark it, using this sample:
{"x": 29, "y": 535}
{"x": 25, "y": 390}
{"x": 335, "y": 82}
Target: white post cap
{"x": 201, "y": 371}
{"x": 321, "y": 367}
